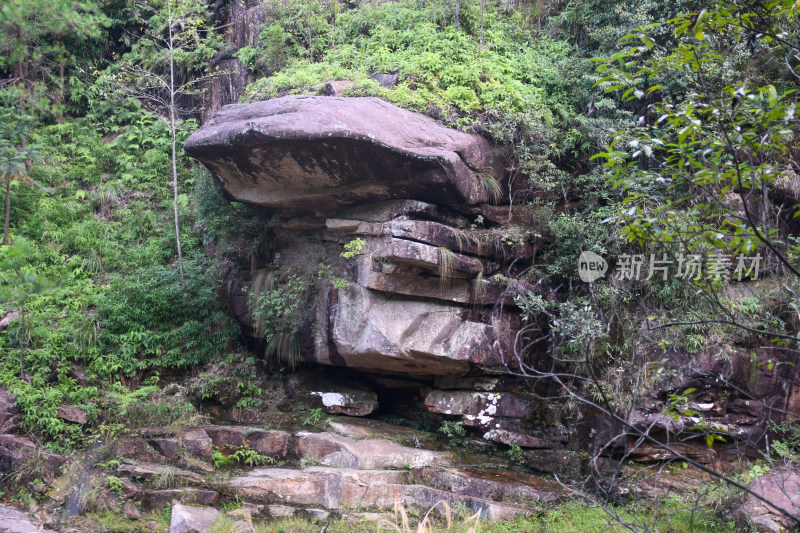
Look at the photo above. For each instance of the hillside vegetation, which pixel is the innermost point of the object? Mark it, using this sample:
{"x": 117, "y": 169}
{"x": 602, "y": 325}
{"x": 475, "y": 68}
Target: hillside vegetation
{"x": 632, "y": 127}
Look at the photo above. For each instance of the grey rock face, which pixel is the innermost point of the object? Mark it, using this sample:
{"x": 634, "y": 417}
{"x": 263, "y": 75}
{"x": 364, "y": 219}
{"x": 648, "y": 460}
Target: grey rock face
{"x": 310, "y": 154}
{"x": 187, "y": 519}
{"x": 15, "y": 521}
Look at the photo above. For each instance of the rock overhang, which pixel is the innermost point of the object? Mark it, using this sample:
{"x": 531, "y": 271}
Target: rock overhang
{"x": 311, "y": 154}
{"x": 419, "y": 298}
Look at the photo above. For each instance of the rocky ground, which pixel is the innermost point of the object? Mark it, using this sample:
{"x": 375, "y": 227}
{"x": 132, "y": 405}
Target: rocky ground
{"x": 304, "y": 464}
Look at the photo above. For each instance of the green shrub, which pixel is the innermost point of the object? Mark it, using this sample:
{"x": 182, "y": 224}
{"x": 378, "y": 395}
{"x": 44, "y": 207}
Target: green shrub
{"x": 454, "y": 432}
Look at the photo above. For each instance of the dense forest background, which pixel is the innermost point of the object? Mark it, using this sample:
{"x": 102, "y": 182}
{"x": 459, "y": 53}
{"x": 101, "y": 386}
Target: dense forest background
{"x": 632, "y": 127}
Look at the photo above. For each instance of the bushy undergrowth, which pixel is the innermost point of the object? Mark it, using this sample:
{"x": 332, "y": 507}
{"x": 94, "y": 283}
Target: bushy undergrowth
{"x": 438, "y": 65}
{"x": 106, "y": 305}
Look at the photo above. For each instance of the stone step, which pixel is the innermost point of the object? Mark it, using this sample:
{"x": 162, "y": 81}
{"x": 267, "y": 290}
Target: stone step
{"x": 334, "y": 450}
{"x": 333, "y": 488}
{"x": 493, "y": 484}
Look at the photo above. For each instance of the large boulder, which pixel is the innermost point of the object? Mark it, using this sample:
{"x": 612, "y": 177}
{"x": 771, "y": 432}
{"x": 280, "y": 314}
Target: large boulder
{"x": 781, "y": 488}
{"x": 377, "y": 215}
{"x": 188, "y": 519}
{"x": 313, "y": 154}
{"x": 15, "y": 521}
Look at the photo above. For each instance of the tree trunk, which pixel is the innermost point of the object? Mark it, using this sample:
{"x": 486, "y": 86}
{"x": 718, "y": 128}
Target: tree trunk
{"x": 22, "y": 340}
{"x": 174, "y": 156}
{"x": 60, "y": 94}
{"x": 175, "y": 199}
{"x": 20, "y": 68}
{"x": 482, "y": 6}
{"x": 8, "y": 210}
{"x": 458, "y": 23}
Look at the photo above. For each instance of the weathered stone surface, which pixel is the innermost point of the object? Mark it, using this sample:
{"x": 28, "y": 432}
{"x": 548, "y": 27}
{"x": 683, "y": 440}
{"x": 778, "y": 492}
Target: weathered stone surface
{"x": 387, "y": 81}
{"x": 476, "y": 383}
{"x": 368, "y": 330}
{"x": 500, "y": 485}
{"x": 367, "y": 454}
{"x": 15, "y": 521}
{"x": 9, "y": 412}
{"x": 427, "y": 257}
{"x": 316, "y": 514}
{"x": 169, "y": 447}
{"x": 147, "y": 470}
{"x": 197, "y": 443}
{"x": 224, "y": 88}
{"x": 521, "y": 439}
{"x": 270, "y": 442}
{"x": 561, "y": 462}
{"x": 319, "y": 154}
{"x": 334, "y": 396}
{"x": 242, "y": 521}
{"x": 138, "y": 449}
{"x": 333, "y": 488}
{"x": 130, "y": 511}
{"x": 423, "y": 498}
{"x": 72, "y": 414}
{"x": 186, "y": 519}
{"x": 479, "y": 243}
{"x": 337, "y": 87}
{"x": 7, "y": 319}
{"x": 245, "y": 415}
{"x": 281, "y": 511}
{"x": 484, "y": 409}
{"x": 289, "y": 487}
{"x": 366, "y": 428}
{"x": 15, "y": 451}
{"x": 646, "y": 453}
{"x": 405, "y": 208}
{"x": 255, "y": 509}
{"x": 158, "y": 499}
{"x": 466, "y": 291}
{"x": 782, "y": 489}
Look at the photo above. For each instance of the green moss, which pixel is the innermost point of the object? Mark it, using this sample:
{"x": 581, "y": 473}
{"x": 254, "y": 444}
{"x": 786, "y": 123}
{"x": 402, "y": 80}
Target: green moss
{"x": 512, "y": 71}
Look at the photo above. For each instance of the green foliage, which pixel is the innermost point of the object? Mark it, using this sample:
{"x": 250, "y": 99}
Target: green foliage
{"x": 712, "y": 152}
{"x": 515, "y": 454}
{"x": 788, "y": 447}
{"x": 316, "y": 417}
{"x": 92, "y": 258}
{"x": 149, "y": 317}
{"x": 438, "y": 65}
{"x": 114, "y": 484}
{"x": 229, "y": 456}
{"x": 45, "y": 47}
{"x": 454, "y": 433}
{"x": 353, "y": 248}
{"x": 279, "y": 310}
{"x": 238, "y": 387}
{"x": 574, "y": 323}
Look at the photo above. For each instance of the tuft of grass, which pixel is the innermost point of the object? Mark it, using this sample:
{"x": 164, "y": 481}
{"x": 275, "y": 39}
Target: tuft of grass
{"x": 480, "y": 289}
{"x": 447, "y": 264}
{"x": 402, "y": 523}
{"x": 285, "y": 348}
{"x": 492, "y": 187}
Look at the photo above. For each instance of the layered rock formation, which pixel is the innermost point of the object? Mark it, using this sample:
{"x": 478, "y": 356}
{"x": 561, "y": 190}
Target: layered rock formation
{"x": 385, "y": 210}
